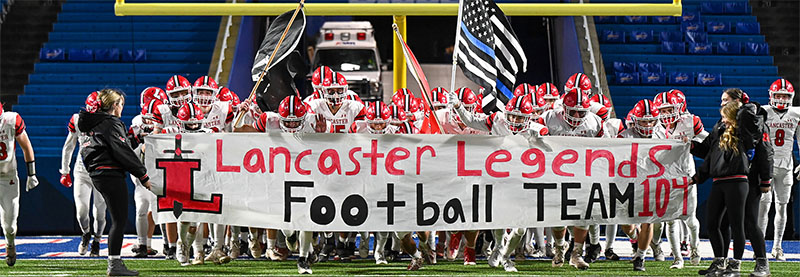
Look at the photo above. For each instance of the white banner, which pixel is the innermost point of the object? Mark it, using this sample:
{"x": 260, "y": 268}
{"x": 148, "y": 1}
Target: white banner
{"x": 354, "y": 182}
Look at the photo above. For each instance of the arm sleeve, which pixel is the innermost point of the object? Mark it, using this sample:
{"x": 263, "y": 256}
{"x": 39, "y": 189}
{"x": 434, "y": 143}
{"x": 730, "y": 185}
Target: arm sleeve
{"x": 19, "y": 126}
{"x": 473, "y": 121}
{"x": 701, "y": 148}
{"x": 749, "y": 126}
{"x": 66, "y": 152}
{"x": 764, "y": 161}
{"x": 123, "y": 153}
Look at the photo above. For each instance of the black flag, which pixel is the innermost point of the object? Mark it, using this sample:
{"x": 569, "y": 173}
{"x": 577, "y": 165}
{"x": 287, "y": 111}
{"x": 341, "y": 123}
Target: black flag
{"x": 272, "y": 37}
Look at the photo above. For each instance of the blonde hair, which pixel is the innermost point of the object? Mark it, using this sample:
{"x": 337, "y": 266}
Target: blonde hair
{"x": 729, "y": 141}
{"x": 108, "y": 97}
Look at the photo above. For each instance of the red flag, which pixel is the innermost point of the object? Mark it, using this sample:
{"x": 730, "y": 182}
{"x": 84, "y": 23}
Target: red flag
{"x": 428, "y": 126}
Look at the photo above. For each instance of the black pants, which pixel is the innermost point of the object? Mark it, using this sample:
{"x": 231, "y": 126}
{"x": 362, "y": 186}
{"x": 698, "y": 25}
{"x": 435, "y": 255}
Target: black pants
{"x": 726, "y": 198}
{"x": 751, "y": 230}
{"x": 115, "y": 191}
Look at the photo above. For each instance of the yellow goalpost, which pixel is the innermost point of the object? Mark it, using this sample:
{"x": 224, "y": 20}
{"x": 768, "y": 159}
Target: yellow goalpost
{"x": 398, "y": 10}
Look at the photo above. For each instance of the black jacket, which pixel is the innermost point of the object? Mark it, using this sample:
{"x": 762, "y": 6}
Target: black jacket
{"x": 107, "y": 151}
{"x": 718, "y": 163}
{"x": 751, "y": 118}
{"x": 761, "y": 165}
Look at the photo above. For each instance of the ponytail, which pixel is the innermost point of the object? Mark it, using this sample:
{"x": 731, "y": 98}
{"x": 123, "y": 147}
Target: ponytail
{"x": 108, "y": 97}
{"x": 729, "y": 140}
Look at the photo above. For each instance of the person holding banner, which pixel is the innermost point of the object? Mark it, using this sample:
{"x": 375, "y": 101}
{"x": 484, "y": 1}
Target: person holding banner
{"x": 107, "y": 154}
{"x": 727, "y": 164}
{"x": 515, "y": 120}
{"x": 644, "y": 124}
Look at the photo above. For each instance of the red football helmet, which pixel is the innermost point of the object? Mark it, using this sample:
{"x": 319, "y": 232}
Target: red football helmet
{"x": 396, "y": 115}
{"x": 644, "y": 116}
{"x": 354, "y": 97}
{"x": 398, "y": 95}
{"x": 179, "y": 91}
{"x": 781, "y": 87}
{"x": 468, "y": 99}
{"x": 681, "y": 99}
{"x": 191, "y": 117}
{"x": 409, "y": 104}
{"x": 205, "y": 91}
{"x": 439, "y": 98}
{"x": 152, "y": 93}
{"x": 226, "y": 94}
{"x": 378, "y": 114}
{"x": 549, "y": 92}
{"x": 668, "y": 105}
{"x": 292, "y": 111}
{"x": 518, "y": 113}
{"x": 579, "y": 81}
{"x": 539, "y": 104}
{"x": 92, "y": 102}
{"x": 524, "y": 88}
{"x": 319, "y": 74}
{"x": 148, "y": 112}
{"x": 576, "y": 104}
{"x": 332, "y": 86}
{"x": 1, "y": 108}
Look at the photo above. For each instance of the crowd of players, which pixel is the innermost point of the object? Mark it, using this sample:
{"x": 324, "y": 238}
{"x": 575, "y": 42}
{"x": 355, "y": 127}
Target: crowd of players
{"x": 205, "y": 107}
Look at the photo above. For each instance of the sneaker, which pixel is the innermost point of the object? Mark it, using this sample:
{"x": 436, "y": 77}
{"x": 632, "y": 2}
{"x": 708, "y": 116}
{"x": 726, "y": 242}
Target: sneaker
{"x": 11, "y": 255}
{"x": 117, "y": 268}
{"x": 255, "y": 248}
{"x": 303, "y": 266}
{"x": 762, "y": 268}
{"x": 95, "y": 252}
{"x": 452, "y": 248}
{"x": 777, "y": 253}
{"x": 494, "y": 258}
{"x": 151, "y": 251}
{"x": 638, "y": 264}
{"x": 169, "y": 253}
{"x": 593, "y": 252}
{"x": 216, "y": 257}
{"x": 236, "y": 250}
{"x": 328, "y": 246}
{"x": 283, "y": 252}
{"x": 141, "y": 251}
{"x": 416, "y": 264}
{"x": 509, "y": 266}
{"x": 363, "y": 248}
{"x": 610, "y": 255}
{"x": 677, "y": 264}
{"x": 440, "y": 251}
{"x": 558, "y": 255}
{"x": 291, "y": 242}
{"x": 273, "y": 255}
{"x": 548, "y": 251}
{"x": 733, "y": 268}
{"x": 182, "y": 255}
{"x": 577, "y": 261}
{"x": 207, "y": 249}
{"x": 538, "y": 253}
{"x": 658, "y": 254}
{"x": 695, "y": 258}
{"x": 392, "y": 255}
{"x": 199, "y": 257}
{"x": 427, "y": 254}
{"x": 716, "y": 268}
{"x": 469, "y": 256}
{"x": 84, "y": 246}
{"x": 380, "y": 258}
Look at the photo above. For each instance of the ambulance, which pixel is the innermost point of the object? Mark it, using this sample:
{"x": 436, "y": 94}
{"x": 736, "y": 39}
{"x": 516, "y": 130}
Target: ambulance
{"x": 349, "y": 48}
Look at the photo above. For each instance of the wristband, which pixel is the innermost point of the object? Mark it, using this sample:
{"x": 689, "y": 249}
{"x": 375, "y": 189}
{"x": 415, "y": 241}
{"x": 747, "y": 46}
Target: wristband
{"x": 31, "y": 168}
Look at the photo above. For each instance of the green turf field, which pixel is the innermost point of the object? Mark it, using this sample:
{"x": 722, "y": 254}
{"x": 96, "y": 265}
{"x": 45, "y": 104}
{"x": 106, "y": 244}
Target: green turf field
{"x": 86, "y": 267}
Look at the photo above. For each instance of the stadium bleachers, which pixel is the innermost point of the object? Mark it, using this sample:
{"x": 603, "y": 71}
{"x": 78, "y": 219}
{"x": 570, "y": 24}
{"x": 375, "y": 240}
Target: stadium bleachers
{"x": 715, "y": 45}
{"x": 128, "y": 53}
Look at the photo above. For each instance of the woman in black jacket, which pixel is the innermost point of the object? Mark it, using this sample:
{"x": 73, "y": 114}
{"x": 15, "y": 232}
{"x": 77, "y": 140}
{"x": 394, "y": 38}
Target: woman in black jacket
{"x": 727, "y": 164}
{"x": 107, "y": 156}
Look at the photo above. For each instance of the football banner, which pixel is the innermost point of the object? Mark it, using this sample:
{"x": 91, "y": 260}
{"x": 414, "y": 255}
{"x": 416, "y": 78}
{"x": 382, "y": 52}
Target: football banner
{"x": 355, "y": 182}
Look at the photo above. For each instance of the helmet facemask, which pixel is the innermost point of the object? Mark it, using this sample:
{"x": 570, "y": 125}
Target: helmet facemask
{"x": 291, "y": 124}
{"x": 644, "y": 126}
{"x": 781, "y": 99}
{"x": 179, "y": 97}
{"x": 577, "y": 119}
{"x": 668, "y": 114}
{"x": 335, "y": 94}
{"x": 205, "y": 97}
{"x": 517, "y": 121}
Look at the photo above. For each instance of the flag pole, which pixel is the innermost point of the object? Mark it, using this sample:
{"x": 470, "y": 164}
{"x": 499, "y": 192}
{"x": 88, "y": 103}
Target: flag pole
{"x": 424, "y": 93}
{"x": 266, "y": 67}
{"x": 455, "y": 49}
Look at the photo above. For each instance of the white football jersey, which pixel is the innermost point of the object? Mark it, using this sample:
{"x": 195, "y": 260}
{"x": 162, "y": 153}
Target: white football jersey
{"x": 11, "y": 125}
{"x": 220, "y": 116}
{"x": 687, "y": 125}
{"x": 496, "y": 123}
{"x": 783, "y": 128}
{"x": 349, "y": 112}
{"x": 612, "y": 127}
{"x": 450, "y": 126}
{"x": 592, "y": 125}
{"x": 271, "y": 122}
{"x": 165, "y": 118}
{"x": 73, "y": 137}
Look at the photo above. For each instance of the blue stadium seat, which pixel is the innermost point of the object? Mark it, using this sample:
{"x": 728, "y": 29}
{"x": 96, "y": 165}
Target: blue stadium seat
{"x": 80, "y": 55}
{"x": 729, "y": 48}
{"x": 612, "y": 36}
{"x": 626, "y": 67}
{"x": 650, "y": 67}
{"x": 709, "y": 79}
{"x": 748, "y": 28}
{"x": 690, "y": 16}
{"x": 627, "y": 78}
{"x": 736, "y": 8}
{"x": 610, "y": 58}
{"x": 712, "y": 8}
{"x": 718, "y": 27}
{"x": 106, "y": 55}
{"x": 135, "y": 55}
{"x": 700, "y": 48}
{"x": 634, "y": 19}
{"x": 673, "y": 36}
{"x": 642, "y": 36}
{"x": 681, "y": 78}
{"x": 747, "y": 70}
{"x": 653, "y": 78}
{"x": 605, "y": 19}
{"x": 673, "y": 47}
{"x": 756, "y": 48}
{"x": 696, "y": 37}
{"x": 664, "y": 19}
{"x": 692, "y": 26}
{"x": 52, "y": 55}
